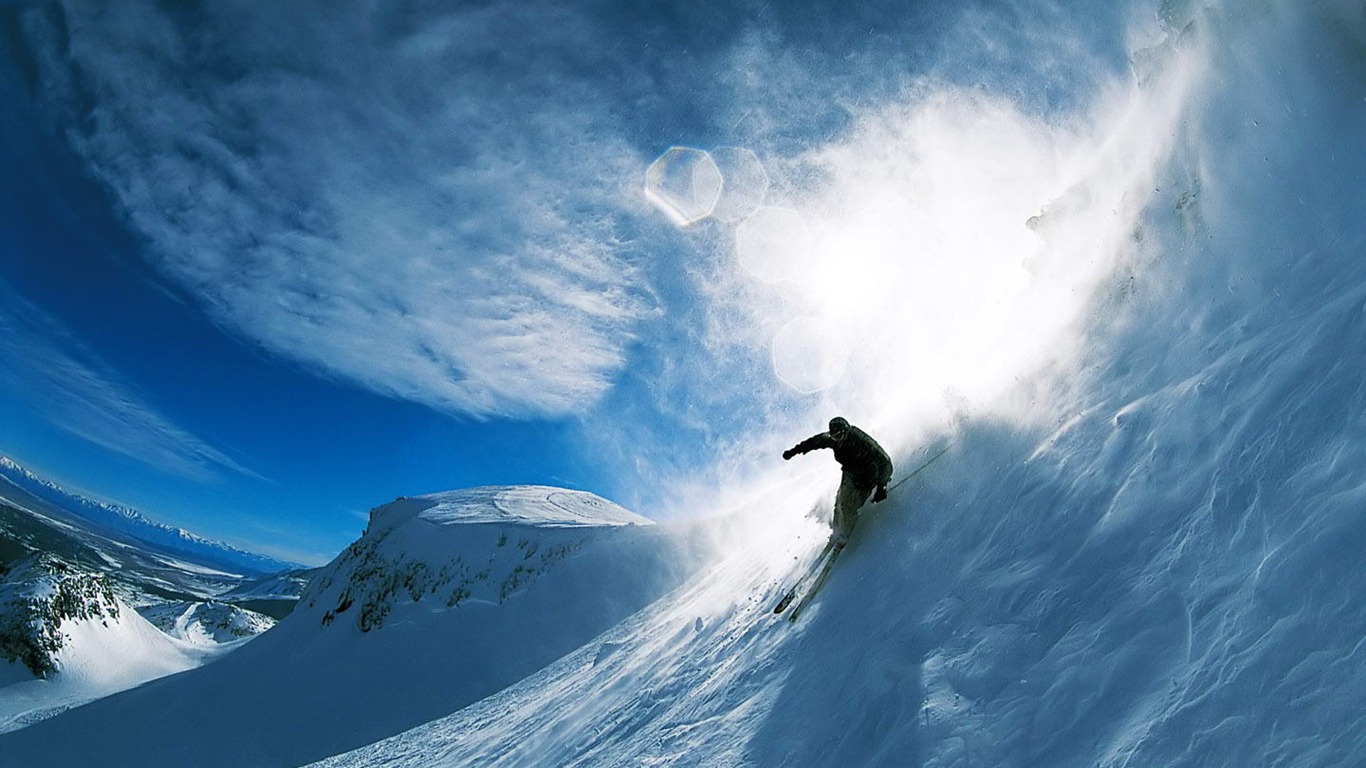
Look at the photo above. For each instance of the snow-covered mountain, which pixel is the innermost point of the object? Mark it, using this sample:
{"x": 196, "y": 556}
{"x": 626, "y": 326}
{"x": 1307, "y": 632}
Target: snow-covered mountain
{"x": 69, "y": 586}
{"x": 66, "y": 638}
{"x": 274, "y": 595}
{"x": 130, "y": 522}
{"x": 444, "y": 600}
{"x": 141, "y": 573}
{"x": 51, "y": 593}
{"x": 508, "y": 537}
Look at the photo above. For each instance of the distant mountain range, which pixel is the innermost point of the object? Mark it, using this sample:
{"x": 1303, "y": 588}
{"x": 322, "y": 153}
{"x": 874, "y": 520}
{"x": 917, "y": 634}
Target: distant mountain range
{"x": 96, "y": 598}
{"x": 132, "y": 523}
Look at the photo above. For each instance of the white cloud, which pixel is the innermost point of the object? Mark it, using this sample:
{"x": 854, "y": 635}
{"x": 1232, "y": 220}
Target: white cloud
{"x": 78, "y": 392}
{"x": 428, "y": 207}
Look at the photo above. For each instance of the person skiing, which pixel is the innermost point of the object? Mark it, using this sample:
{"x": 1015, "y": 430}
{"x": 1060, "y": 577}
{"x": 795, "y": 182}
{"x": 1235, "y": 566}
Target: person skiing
{"x": 867, "y": 469}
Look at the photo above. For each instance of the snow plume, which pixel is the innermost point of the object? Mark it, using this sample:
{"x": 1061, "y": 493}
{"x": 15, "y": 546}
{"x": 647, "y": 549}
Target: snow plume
{"x": 940, "y": 255}
{"x": 957, "y": 240}
{"x": 425, "y": 204}
{"x": 961, "y": 253}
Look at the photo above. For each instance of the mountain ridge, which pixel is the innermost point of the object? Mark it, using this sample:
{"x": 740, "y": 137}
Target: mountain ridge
{"x": 417, "y": 618}
{"x": 131, "y": 522}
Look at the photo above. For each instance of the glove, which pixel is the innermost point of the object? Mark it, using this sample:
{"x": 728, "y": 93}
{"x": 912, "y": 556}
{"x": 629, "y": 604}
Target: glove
{"x": 788, "y": 454}
{"x": 879, "y": 494}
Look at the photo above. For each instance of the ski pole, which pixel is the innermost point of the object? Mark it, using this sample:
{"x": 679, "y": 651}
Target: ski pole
{"x": 920, "y": 468}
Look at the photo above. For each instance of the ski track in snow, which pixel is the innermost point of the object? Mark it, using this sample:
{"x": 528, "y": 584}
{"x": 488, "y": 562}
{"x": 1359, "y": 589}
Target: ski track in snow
{"x": 534, "y": 505}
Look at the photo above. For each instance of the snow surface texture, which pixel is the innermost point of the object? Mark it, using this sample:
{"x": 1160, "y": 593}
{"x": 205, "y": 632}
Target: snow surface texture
{"x": 533, "y": 505}
{"x": 443, "y": 601}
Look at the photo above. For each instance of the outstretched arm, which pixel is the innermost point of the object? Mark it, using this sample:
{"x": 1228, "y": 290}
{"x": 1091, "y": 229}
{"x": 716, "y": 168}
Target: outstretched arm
{"x": 823, "y": 440}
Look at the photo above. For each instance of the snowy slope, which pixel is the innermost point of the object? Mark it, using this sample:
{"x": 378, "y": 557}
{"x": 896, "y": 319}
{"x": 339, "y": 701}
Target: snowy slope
{"x": 444, "y": 600}
{"x": 208, "y": 623}
{"x": 96, "y": 645}
{"x": 55, "y": 567}
{"x": 1162, "y": 566}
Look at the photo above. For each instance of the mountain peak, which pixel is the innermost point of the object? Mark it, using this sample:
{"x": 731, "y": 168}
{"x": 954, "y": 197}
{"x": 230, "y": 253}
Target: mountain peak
{"x": 534, "y": 506}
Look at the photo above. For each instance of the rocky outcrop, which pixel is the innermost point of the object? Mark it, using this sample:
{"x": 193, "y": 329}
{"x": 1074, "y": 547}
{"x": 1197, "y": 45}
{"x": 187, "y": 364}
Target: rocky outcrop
{"x": 40, "y": 595}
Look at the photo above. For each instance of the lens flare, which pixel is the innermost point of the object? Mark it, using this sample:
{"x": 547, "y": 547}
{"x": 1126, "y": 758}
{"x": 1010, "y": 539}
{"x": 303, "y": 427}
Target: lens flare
{"x": 744, "y": 183}
{"x": 685, "y": 183}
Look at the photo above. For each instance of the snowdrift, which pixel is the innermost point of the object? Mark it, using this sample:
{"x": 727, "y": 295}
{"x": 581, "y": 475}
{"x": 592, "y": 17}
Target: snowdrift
{"x": 443, "y": 601}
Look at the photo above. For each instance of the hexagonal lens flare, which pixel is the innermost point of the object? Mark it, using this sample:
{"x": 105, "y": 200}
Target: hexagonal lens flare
{"x": 684, "y": 183}
{"x": 744, "y": 183}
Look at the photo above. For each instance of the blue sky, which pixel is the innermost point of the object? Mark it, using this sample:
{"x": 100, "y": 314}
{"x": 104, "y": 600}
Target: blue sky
{"x": 265, "y": 267}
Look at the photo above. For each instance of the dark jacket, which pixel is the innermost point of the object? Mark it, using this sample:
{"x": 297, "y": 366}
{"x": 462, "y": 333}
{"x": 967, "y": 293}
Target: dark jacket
{"x": 858, "y": 454}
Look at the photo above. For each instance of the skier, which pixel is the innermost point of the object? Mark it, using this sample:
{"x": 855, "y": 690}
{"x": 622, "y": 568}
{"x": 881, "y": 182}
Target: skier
{"x": 867, "y": 469}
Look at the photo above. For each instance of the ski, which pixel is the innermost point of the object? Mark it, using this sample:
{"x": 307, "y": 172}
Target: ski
{"x": 815, "y": 565}
{"x": 820, "y": 568}
{"x": 816, "y": 585}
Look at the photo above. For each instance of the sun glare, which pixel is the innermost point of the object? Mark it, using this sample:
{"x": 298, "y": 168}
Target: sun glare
{"x": 847, "y": 278}
{"x": 950, "y": 250}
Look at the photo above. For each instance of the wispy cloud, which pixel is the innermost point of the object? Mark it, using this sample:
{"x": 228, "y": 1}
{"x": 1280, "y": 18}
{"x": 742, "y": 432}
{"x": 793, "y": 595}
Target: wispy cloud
{"x": 71, "y": 387}
{"x": 428, "y": 205}
{"x": 434, "y": 202}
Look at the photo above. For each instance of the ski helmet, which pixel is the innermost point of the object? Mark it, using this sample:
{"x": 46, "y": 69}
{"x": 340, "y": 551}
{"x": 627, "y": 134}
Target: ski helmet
{"x": 839, "y": 426}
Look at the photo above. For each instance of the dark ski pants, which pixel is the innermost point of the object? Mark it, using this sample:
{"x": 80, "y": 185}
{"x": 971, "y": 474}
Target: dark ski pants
{"x": 852, "y": 495}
